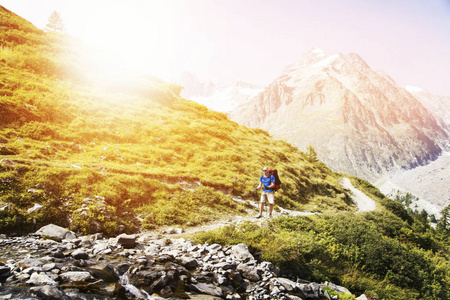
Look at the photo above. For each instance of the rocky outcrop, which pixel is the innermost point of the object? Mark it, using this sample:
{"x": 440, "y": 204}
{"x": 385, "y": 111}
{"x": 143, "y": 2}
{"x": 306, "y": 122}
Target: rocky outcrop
{"x": 158, "y": 266}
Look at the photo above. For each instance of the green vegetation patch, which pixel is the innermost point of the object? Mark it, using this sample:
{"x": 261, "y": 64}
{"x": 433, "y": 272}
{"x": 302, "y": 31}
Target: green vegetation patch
{"x": 359, "y": 251}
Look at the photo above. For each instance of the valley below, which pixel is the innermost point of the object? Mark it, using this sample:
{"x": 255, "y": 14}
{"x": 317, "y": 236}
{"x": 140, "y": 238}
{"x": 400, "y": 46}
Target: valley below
{"x": 429, "y": 183}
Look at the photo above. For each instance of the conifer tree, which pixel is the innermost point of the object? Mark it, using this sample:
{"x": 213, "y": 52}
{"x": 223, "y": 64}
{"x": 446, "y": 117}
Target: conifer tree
{"x": 312, "y": 154}
{"x": 443, "y": 224}
{"x": 55, "y": 22}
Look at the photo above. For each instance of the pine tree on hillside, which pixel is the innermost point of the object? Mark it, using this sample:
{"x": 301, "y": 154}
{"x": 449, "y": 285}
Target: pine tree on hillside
{"x": 312, "y": 154}
{"x": 443, "y": 224}
{"x": 55, "y": 22}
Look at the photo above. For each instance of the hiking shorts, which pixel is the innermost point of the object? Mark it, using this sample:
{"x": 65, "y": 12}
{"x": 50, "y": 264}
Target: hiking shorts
{"x": 270, "y": 196}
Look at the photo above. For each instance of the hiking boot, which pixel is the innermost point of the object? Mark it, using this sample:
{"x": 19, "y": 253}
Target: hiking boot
{"x": 258, "y": 216}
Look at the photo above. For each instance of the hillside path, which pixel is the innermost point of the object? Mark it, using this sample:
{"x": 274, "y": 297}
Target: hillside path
{"x": 364, "y": 202}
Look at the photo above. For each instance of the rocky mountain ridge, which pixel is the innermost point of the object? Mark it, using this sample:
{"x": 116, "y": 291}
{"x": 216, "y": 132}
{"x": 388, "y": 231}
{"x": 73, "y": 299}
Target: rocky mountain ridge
{"x": 437, "y": 104}
{"x": 358, "y": 120}
{"x": 222, "y": 97}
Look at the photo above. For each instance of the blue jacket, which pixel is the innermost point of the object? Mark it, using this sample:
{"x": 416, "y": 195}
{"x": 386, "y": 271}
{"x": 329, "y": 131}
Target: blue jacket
{"x": 266, "y": 181}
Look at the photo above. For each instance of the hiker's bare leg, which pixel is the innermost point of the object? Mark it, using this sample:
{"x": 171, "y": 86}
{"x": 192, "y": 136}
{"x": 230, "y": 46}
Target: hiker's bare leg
{"x": 261, "y": 208}
{"x": 270, "y": 209}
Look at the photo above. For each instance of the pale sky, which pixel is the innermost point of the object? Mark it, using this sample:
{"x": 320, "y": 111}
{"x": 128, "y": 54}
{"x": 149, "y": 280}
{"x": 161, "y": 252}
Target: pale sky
{"x": 255, "y": 40}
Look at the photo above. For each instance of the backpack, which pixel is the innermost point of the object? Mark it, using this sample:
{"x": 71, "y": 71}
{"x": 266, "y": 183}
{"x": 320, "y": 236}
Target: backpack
{"x": 274, "y": 172}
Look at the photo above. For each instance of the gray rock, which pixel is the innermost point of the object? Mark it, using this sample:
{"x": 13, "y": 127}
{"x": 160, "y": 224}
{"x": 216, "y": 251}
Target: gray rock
{"x": 240, "y": 252}
{"x": 206, "y": 288}
{"x": 362, "y": 297}
{"x": 4, "y": 270}
{"x": 248, "y": 272}
{"x": 224, "y": 266}
{"x": 41, "y": 279}
{"x": 337, "y": 288}
{"x": 72, "y": 276}
{"x": 48, "y": 267}
{"x": 188, "y": 262}
{"x": 160, "y": 283}
{"x": 127, "y": 241}
{"x": 55, "y": 231}
{"x": 313, "y": 291}
{"x": 105, "y": 272}
{"x": 268, "y": 266}
{"x": 86, "y": 243}
{"x": 30, "y": 262}
{"x": 57, "y": 254}
{"x": 80, "y": 254}
{"x": 287, "y": 284}
{"x": 48, "y": 292}
{"x": 23, "y": 277}
{"x": 123, "y": 268}
{"x": 214, "y": 248}
{"x": 152, "y": 250}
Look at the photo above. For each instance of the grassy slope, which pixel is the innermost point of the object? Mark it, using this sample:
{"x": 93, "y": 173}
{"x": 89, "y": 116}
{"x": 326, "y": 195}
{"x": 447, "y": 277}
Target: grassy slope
{"x": 98, "y": 155}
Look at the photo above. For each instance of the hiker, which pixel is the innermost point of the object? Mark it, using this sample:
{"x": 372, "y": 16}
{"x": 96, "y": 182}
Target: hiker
{"x": 267, "y": 183}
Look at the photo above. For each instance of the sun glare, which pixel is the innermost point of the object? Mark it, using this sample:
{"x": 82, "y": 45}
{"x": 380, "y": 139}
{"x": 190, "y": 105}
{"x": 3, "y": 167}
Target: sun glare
{"x": 122, "y": 38}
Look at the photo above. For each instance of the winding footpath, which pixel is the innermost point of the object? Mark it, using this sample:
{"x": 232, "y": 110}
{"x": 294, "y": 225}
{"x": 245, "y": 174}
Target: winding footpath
{"x": 364, "y": 202}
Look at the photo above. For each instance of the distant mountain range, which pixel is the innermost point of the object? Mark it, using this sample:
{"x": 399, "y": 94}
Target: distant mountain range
{"x": 359, "y": 121}
{"x": 222, "y": 97}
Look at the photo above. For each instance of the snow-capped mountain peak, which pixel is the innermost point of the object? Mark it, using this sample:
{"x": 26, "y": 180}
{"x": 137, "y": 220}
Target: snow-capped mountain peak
{"x": 360, "y": 121}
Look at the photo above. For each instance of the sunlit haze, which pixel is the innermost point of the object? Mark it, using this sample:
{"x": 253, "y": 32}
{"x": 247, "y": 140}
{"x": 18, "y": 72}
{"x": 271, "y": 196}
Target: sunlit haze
{"x": 255, "y": 40}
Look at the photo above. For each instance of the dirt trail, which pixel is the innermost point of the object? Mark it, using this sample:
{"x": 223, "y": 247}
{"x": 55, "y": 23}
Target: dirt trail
{"x": 363, "y": 202}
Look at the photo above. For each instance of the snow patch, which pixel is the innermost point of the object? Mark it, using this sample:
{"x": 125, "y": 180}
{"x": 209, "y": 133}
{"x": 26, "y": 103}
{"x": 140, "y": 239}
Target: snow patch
{"x": 413, "y": 89}
{"x": 318, "y": 52}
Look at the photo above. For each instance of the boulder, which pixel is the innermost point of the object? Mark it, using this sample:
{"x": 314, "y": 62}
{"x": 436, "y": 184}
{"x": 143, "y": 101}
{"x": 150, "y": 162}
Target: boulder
{"x": 123, "y": 268}
{"x": 127, "y": 241}
{"x": 337, "y": 288}
{"x": 104, "y": 272}
{"x": 54, "y": 231}
{"x": 41, "y": 279}
{"x": 86, "y": 242}
{"x": 214, "y": 248}
{"x": 270, "y": 267}
{"x": 48, "y": 267}
{"x": 30, "y": 262}
{"x": 313, "y": 291}
{"x": 80, "y": 254}
{"x": 4, "y": 270}
{"x": 241, "y": 252}
{"x": 248, "y": 272}
{"x": 76, "y": 276}
{"x": 206, "y": 288}
{"x": 188, "y": 262}
{"x": 48, "y": 292}
{"x": 287, "y": 284}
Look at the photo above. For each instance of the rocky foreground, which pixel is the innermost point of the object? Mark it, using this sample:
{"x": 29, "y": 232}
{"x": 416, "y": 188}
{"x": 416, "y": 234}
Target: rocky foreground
{"x": 54, "y": 263}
